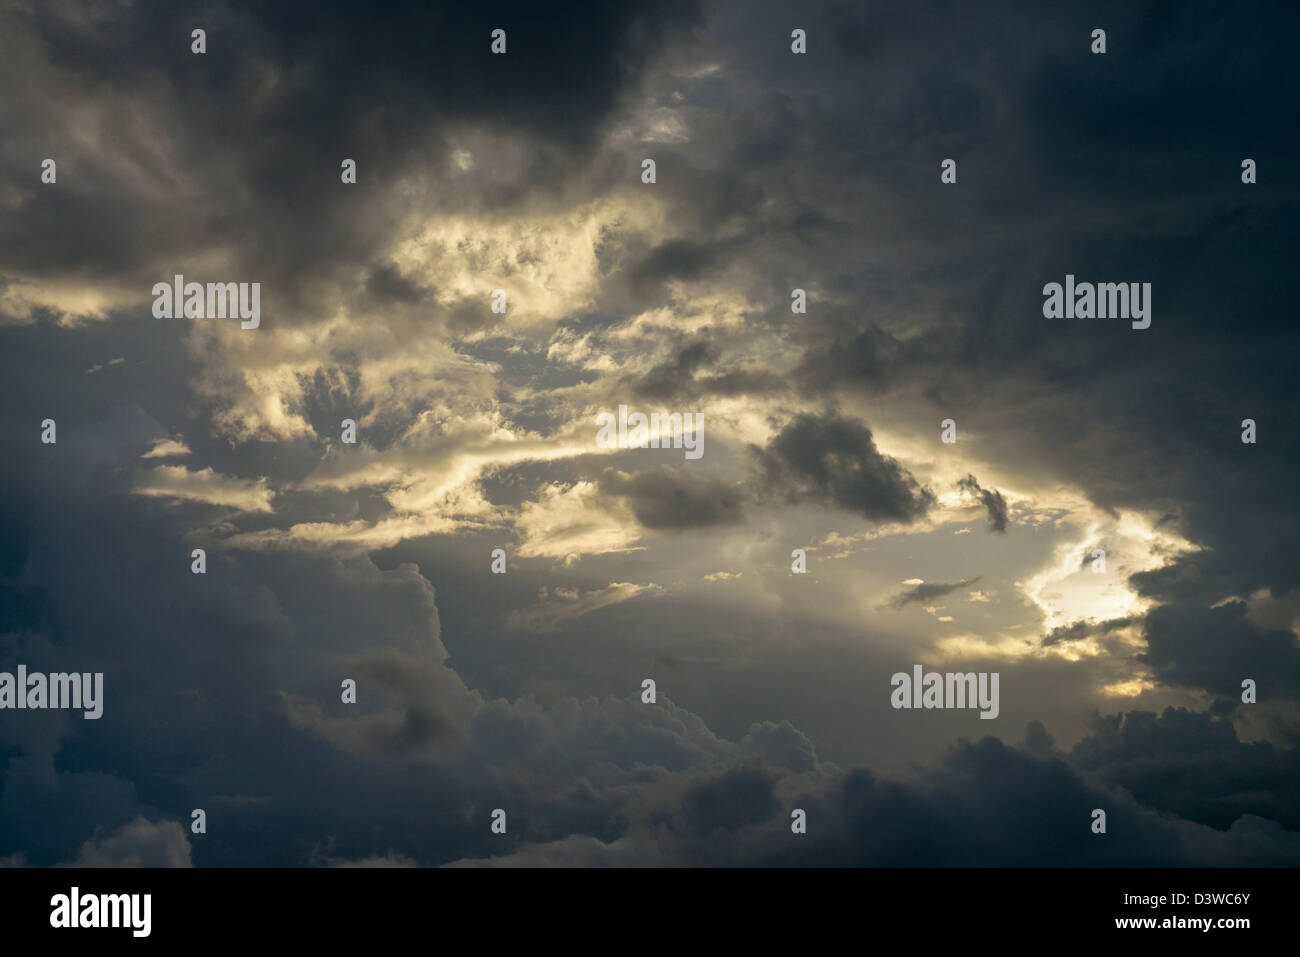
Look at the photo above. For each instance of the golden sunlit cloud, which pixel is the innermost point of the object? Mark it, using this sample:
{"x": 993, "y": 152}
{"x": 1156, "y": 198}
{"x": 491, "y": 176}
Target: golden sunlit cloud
{"x": 569, "y": 522}
{"x": 206, "y": 486}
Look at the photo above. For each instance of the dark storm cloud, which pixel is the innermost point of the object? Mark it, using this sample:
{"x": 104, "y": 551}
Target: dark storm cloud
{"x": 665, "y": 499}
{"x": 929, "y": 590}
{"x": 735, "y": 799}
{"x": 210, "y": 652}
{"x": 678, "y": 259}
{"x": 1192, "y": 764}
{"x": 247, "y": 139}
{"x": 996, "y": 786}
{"x": 832, "y": 460}
{"x": 422, "y": 720}
{"x": 673, "y": 376}
{"x": 781, "y": 745}
{"x": 1147, "y": 420}
{"x": 870, "y": 359}
{"x": 1037, "y": 739}
{"x": 386, "y": 284}
{"x": 228, "y": 645}
{"x": 987, "y": 803}
{"x": 992, "y": 500}
{"x": 680, "y": 377}
{"x": 1214, "y": 649}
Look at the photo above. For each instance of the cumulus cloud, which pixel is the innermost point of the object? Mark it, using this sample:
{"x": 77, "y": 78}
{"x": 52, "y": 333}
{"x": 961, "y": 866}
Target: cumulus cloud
{"x": 138, "y": 843}
{"x": 1193, "y": 765}
{"x": 1032, "y": 810}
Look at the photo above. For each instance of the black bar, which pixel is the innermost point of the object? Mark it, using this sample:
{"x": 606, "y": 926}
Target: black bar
{"x": 334, "y": 906}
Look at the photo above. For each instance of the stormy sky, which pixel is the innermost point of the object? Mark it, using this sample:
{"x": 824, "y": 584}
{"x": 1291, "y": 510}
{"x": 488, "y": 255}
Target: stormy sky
{"x": 1120, "y": 681}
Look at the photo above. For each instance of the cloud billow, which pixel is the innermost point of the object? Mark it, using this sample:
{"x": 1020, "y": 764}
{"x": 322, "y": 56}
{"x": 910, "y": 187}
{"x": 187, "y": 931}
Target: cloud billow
{"x": 831, "y": 460}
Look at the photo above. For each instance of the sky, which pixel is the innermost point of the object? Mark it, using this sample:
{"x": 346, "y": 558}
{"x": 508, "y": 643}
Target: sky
{"x": 1097, "y": 534}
